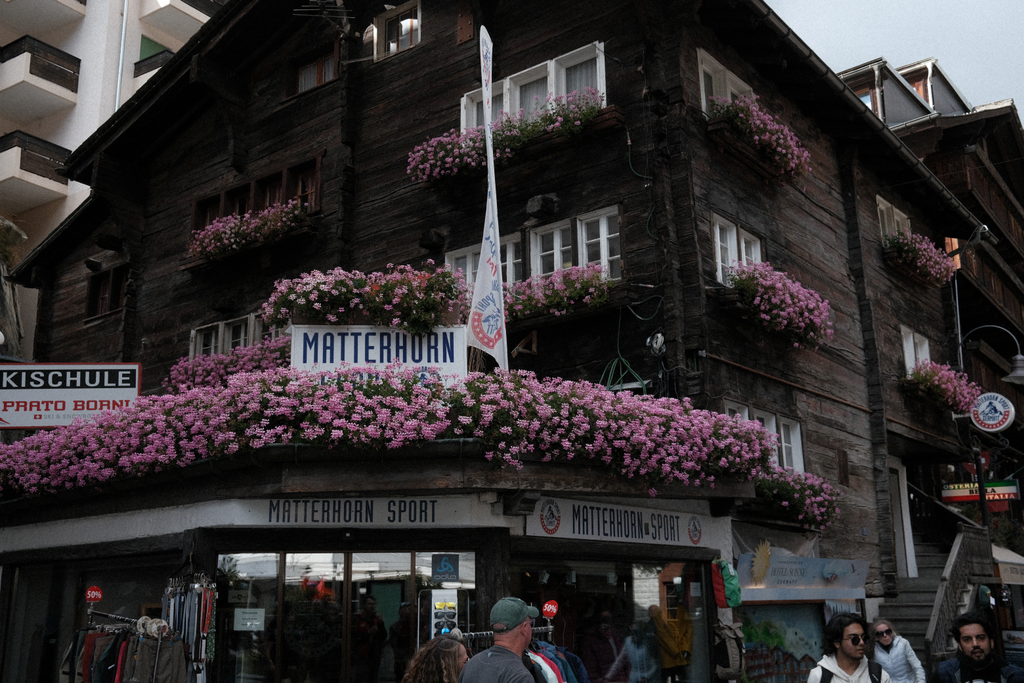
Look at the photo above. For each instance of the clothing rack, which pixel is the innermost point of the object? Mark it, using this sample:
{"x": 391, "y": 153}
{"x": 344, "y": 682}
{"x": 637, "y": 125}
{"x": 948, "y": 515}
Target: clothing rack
{"x": 477, "y": 638}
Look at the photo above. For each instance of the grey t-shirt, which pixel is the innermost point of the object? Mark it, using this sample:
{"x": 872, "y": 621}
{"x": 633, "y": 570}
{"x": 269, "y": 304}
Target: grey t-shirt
{"x": 495, "y": 665}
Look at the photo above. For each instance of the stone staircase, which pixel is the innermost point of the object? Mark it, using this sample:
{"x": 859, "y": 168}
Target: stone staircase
{"x": 912, "y": 609}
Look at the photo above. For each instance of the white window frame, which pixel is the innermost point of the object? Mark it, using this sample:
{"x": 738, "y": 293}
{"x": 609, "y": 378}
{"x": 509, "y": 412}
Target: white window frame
{"x": 732, "y": 408}
{"x": 553, "y": 70}
{"x": 254, "y": 335}
{"x": 606, "y": 258}
{"x": 791, "y": 448}
{"x": 472, "y": 256}
{"x": 724, "y": 83}
{"x": 559, "y": 248}
{"x": 915, "y": 347}
{"x": 733, "y": 245}
{"x": 380, "y": 23}
{"x": 891, "y": 221}
{"x": 467, "y": 114}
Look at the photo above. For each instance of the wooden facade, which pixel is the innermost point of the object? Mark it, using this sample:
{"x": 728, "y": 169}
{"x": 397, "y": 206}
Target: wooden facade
{"x": 222, "y": 116}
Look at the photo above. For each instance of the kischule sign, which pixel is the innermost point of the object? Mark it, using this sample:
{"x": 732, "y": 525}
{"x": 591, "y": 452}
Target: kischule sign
{"x": 992, "y": 413}
{"x": 36, "y": 395}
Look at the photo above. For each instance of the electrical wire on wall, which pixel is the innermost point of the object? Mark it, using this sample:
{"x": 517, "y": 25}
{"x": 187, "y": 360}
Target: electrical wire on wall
{"x": 618, "y": 370}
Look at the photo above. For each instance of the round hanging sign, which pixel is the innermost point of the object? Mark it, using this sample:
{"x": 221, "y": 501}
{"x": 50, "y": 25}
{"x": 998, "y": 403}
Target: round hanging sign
{"x": 992, "y": 412}
{"x": 93, "y": 594}
{"x": 550, "y": 609}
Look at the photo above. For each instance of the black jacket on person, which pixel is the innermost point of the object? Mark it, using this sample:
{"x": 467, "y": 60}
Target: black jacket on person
{"x": 962, "y": 669}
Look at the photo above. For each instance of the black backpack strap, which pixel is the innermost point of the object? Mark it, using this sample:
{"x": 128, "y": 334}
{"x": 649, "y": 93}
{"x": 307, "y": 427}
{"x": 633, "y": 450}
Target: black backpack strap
{"x": 826, "y": 675}
{"x": 875, "y": 672}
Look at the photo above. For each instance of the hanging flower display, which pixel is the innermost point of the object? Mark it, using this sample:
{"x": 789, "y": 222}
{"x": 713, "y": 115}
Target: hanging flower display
{"x": 413, "y": 300}
{"x": 464, "y": 153}
{"x": 920, "y": 257}
{"x": 782, "y": 306}
{"x": 779, "y": 147}
{"x": 803, "y": 497}
{"x": 945, "y": 385}
{"x": 557, "y": 292}
{"x": 230, "y": 234}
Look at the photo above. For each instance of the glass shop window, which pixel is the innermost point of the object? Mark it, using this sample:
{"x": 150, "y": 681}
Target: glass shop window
{"x": 615, "y": 615}
{"x": 293, "y": 616}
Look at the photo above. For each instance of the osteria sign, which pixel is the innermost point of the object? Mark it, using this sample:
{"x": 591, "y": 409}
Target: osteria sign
{"x": 37, "y": 395}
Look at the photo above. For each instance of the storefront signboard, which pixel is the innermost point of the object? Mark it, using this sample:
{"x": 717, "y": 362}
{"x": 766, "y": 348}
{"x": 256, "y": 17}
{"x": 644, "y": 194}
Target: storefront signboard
{"x": 593, "y": 521}
{"x": 1011, "y": 573}
{"x": 366, "y": 512}
{"x": 38, "y": 395}
{"x": 994, "y": 490}
{"x": 773, "y": 577}
{"x": 992, "y": 413}
{"x": 440, "y": 352}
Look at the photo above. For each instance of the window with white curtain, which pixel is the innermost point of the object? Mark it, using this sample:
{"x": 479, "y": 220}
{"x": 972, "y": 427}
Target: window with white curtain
{"x": 599, "y": 241}
{"x": 224, "y": 336}
{"x": 532, "y": 88}
{"x": 717, "y": 81}
{"x": 551, "y": 248}
{"x": 915, "y": 347}
{"x": 468, "y": 259}
{"x": 733, "y": 245}
{"x": 891, "y": 220}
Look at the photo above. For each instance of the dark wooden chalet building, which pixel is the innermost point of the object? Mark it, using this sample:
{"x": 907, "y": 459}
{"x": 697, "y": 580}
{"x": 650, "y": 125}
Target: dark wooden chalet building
{"x": 265, "y": 104}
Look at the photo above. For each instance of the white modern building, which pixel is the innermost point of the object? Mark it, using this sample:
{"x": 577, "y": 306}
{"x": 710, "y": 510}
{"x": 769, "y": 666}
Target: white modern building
{"x": 65, "y": 67}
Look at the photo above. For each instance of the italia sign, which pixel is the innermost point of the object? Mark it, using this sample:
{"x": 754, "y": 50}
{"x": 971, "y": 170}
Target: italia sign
{"x": 992, "y": 413}
{"x": 994, "y": 490}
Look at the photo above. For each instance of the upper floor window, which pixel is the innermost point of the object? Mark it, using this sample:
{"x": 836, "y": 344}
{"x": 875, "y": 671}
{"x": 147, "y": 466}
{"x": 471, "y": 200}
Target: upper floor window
{"x": 733, "y": 245}
{"x": 224, "y": 336}
{"x": 599, "y": 241}
{"x": 551, "y": 249}
{"x": 717, "y": 81}
{"x": 396, "y": 30}
{"x": 301, "y": 182}
{"x": 316, "y": 72}
{"x": 891, "y": 220}
{"x": 468, "y": 259}
{"x": 915, "y": 347}
{"x": 585, "y": 239}
{"x": 791, "y": 450}
{"x": 531, "y": 89}
{"x": 106, "y": 291}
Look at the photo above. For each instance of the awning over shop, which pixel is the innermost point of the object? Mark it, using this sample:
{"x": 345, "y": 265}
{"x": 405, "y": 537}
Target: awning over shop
{"x": 1009, "y": 564}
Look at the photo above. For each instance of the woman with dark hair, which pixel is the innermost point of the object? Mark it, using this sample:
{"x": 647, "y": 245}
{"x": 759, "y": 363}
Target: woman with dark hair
{"x": 895, "y": 655}
{"x": 439, "y": 661}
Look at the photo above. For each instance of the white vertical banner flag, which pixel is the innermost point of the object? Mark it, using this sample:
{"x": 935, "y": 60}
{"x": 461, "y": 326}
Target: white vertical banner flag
{"x": 487, "y": 314}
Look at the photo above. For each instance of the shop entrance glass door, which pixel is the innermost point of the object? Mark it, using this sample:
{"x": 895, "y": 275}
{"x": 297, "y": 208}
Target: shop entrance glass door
{"x": 319, "y": 617}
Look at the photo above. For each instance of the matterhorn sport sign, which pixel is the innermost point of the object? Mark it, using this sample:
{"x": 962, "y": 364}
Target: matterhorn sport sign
{"x": 992, "y": 413}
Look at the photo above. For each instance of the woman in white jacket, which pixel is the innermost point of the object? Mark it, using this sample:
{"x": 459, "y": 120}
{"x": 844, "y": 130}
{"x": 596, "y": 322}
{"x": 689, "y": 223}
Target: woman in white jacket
{"x": 895, "y": 655}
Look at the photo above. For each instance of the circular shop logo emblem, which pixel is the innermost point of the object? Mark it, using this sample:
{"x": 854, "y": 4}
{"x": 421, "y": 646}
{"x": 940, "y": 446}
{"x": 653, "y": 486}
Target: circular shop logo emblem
{"x": 992, "y": 412}
{"x": 477, "y": 321}
{"x": 693, "y": 529}
{"x": 550, "y": 516}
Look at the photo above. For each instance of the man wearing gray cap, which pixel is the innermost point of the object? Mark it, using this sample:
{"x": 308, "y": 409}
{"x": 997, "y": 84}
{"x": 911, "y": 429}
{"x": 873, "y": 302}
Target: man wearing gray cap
{"x": 503, "y": 663}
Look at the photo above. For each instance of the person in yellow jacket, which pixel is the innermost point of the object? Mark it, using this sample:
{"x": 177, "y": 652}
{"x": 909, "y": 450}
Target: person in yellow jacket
{"x": 675, "y": 637}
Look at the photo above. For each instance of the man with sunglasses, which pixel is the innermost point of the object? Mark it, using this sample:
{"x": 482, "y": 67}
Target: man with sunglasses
{"x": 845, "y": 659}
{"x": 975, "y": 660}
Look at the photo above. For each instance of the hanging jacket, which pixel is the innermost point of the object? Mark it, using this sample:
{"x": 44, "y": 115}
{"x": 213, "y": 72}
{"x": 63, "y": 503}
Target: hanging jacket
{"x": 675, "y": 636}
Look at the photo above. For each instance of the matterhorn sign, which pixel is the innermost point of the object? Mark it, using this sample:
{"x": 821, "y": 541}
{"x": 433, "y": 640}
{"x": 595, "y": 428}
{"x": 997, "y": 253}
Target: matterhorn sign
{"x": 992, "y": 413}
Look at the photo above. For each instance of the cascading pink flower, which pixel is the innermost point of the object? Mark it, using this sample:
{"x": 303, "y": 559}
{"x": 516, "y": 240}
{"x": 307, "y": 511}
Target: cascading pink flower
{"x": 922, "y": 257}
{"x": 226, "y": 235}
{"x": 781, "y": 305}
{"x": 778, "y": 146}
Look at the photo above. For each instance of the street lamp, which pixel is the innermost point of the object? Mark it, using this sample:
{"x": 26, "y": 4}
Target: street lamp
{"x": 1016, "y": 375}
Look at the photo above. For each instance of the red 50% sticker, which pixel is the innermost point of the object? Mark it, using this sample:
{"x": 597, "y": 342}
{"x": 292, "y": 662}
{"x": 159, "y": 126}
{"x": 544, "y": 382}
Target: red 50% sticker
{"x": 93, "y": 594}
{"x": 550, "y": 609}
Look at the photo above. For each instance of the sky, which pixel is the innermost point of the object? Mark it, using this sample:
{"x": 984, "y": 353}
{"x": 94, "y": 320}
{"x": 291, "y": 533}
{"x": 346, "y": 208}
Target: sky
{"x": 979, "y": 43}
